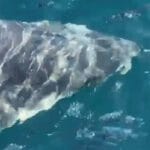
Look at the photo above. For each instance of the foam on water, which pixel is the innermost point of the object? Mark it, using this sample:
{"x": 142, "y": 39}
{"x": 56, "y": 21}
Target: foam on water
{"x": 111, "y": 129}
{"x": 74, "y": 110}
{"x": 43, "y": 62}
{"x": 13, "y": 146}
{"x": 118, "y": 85}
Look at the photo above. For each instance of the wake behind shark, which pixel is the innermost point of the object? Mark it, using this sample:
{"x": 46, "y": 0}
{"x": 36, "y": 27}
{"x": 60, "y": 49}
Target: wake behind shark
{"x": 43, "y": 62}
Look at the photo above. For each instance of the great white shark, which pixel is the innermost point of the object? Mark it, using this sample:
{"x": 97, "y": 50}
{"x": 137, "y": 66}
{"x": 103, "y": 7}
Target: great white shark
{"x": 43, "y": 62}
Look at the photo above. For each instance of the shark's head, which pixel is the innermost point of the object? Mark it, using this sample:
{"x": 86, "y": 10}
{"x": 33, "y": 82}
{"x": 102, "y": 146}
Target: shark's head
{"x": 43, "y": 62}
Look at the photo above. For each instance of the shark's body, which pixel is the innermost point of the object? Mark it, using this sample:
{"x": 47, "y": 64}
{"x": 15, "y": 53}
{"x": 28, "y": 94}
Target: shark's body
{"x": 42, "y": 62}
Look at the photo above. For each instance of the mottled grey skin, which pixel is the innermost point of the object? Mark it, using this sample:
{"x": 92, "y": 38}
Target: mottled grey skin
{"x": 27, "y": 68}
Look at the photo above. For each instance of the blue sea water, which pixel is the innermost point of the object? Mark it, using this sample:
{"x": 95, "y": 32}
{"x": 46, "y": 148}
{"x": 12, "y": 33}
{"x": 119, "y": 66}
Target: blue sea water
{"x": 57, "y": 128}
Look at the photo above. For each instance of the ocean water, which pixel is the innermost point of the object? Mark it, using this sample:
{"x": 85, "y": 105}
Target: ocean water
{"x": 74, "y": 123}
